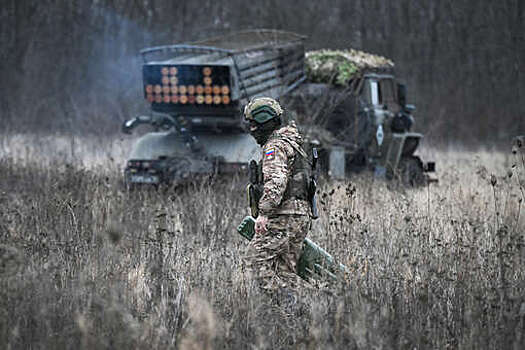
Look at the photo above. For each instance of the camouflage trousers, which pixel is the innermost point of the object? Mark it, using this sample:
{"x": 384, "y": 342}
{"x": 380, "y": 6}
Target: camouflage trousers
{"x": 272, "y": 257}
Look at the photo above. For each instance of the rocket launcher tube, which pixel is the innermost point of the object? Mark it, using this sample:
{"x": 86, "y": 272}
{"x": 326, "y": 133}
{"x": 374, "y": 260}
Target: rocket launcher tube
{"x": 314, "y": 261}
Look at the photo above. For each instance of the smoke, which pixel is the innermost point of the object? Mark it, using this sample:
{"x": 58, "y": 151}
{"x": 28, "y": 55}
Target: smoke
{"x": 112, "y": 75}
{"x": 80, "y": 74}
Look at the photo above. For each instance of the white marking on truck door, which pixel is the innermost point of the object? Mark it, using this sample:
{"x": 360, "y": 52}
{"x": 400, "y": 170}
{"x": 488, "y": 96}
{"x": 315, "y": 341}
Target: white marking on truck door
{"x": 380, "y": 135}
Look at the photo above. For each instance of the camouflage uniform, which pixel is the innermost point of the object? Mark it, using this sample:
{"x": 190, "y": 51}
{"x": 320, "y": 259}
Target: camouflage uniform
{"x": 273, "y": 256}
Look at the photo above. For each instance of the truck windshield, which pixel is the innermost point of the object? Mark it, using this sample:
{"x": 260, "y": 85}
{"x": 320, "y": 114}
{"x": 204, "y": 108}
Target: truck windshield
{"x": 375, "y": 95}
{"x": 382, "y": 92}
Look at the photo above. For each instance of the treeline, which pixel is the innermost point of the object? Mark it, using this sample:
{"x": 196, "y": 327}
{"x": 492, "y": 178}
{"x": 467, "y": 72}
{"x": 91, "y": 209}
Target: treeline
{"x": 73, "y": 64}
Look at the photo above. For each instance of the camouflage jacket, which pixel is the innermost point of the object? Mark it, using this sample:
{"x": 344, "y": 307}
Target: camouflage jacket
{"x": 278, "y": 156}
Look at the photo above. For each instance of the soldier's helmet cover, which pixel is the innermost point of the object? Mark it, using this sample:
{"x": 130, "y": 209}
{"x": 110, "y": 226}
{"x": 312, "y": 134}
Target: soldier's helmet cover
{"x": 262, "y": 109}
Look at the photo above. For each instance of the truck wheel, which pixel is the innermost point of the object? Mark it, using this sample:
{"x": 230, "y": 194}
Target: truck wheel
{"x": 411, "y": 171}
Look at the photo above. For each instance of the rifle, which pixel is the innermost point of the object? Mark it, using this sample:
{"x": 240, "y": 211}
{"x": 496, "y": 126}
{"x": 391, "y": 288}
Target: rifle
{"x": 314, "y": 262}
{"x": 312, "y": 186}
{"x": 254, "y": 188}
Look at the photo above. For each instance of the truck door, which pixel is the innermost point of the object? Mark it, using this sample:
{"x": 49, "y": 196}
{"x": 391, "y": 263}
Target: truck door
{"x": 383, "y": 105}
{"x": 380, "y": 114}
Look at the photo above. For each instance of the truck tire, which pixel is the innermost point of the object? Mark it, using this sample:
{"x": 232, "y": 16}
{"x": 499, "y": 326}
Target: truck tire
{"x": 410, "y": 171}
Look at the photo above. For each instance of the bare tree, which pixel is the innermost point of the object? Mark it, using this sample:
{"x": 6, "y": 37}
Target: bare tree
{"x": 461, "y": 59}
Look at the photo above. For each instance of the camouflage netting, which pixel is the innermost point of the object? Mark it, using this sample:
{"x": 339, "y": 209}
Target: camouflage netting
{"x": 338, "y": 67}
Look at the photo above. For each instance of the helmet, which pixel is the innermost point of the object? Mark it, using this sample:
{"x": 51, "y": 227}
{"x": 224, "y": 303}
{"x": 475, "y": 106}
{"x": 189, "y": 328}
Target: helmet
{"x": 262, "y": 109}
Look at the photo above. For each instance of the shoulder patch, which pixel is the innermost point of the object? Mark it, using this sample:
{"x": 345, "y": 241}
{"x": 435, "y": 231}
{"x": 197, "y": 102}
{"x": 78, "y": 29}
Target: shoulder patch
{"x": 269, "y": 154}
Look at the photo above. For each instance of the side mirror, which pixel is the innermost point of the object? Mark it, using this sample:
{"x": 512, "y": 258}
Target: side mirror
{"x": 128, "y": 125}
{"x": 410, "y": 108}
{"x": 402, "y": 94}
{"x": 131, "y": 124}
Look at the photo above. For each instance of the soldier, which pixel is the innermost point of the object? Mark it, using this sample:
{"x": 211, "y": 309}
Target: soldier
{"x": 284, "y": 209}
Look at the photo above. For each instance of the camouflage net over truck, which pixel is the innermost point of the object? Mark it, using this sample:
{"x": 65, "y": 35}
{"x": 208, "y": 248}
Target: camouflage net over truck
{"x": 338, "y": 67}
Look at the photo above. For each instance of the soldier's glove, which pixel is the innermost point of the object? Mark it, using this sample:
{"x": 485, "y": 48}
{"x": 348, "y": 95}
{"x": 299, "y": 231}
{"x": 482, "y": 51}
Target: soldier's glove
{"x": 260, "y": 225}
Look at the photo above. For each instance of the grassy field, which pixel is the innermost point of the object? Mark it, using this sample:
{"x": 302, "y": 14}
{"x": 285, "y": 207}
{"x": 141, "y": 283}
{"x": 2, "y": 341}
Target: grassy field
{"x": 85, "y": 264}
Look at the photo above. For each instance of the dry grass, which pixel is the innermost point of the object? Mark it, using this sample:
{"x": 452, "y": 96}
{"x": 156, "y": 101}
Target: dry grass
{"x": 85, "y": 264}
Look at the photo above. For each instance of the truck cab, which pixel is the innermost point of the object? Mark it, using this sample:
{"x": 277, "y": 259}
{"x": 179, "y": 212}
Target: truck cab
{"x": 393, "y": 144}
{"x": 365, "y": 125}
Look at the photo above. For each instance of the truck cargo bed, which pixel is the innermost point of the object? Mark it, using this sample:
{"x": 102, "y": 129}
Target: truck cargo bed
{"x": 260, "y": 63}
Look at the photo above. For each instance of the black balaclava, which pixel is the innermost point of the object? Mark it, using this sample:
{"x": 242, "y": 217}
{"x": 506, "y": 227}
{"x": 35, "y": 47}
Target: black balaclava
{"x": 263, "y": 131}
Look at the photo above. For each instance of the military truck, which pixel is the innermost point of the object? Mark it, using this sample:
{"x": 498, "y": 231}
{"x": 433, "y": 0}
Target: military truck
{"x": 196, "y": 93}
{"x": 353, "y": 107}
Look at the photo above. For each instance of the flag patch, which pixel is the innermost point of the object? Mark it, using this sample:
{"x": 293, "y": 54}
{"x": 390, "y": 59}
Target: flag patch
{"x": 270, "y": 154}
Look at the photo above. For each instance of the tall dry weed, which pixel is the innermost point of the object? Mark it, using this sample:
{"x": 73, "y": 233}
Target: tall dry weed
{"x": 201, "y": 326}
{"x": 86, "y": 264}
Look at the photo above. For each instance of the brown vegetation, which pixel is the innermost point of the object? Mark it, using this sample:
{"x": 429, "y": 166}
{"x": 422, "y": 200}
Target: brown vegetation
{"x": 86, "y": 264}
